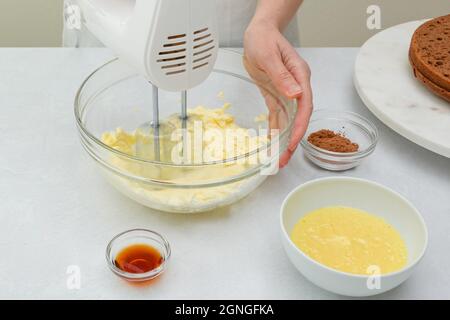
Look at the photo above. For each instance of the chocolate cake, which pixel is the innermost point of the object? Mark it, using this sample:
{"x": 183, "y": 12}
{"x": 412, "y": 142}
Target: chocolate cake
{"x": 429, "y": 55}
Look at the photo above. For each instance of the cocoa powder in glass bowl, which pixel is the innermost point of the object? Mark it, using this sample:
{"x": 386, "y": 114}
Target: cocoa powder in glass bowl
{"x": 332, "y": 141}
{"x": 339, "y": 140}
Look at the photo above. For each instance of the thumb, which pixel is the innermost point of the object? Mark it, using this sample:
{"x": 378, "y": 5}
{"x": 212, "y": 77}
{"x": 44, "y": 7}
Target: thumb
{"x": 280, "y": 76}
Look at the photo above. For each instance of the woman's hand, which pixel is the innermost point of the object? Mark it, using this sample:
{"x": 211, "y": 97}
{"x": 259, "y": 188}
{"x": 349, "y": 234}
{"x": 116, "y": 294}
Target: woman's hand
{"x": 273, "y": 63}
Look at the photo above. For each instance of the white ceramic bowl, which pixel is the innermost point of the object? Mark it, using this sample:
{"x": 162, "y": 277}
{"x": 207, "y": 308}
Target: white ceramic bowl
{"x": 365, "y": 195}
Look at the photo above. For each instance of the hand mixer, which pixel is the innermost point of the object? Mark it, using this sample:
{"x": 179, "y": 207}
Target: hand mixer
{"x": 172, "y": 43}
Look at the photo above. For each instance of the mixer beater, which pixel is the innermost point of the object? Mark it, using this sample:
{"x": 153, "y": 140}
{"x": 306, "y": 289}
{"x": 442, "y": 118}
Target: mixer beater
{"x": 155, "y": 124}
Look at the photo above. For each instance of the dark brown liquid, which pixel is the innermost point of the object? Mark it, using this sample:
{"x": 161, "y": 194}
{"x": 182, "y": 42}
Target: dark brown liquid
{"x": 139, "y": 258}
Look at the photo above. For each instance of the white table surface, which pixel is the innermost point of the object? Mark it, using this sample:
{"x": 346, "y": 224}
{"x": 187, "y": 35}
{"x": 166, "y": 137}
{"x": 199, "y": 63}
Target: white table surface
{"x": 56, "y": 211}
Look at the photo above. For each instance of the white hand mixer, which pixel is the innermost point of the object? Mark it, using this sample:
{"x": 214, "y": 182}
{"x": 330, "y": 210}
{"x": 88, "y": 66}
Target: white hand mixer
{"x": 172, "y": 43}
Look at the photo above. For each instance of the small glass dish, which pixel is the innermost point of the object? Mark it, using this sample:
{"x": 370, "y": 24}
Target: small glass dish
{"x": 137, "y": 237}
{"x": 353, "y": 126}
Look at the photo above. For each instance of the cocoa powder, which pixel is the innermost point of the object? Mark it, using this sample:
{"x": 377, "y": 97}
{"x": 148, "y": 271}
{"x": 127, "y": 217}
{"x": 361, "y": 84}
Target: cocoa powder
{"x": 332, "y": 141}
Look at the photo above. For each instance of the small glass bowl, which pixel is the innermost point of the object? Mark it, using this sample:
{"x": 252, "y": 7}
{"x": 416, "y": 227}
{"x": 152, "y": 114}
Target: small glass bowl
{"x": 133, "y": 237}
{"x": 355, "y": 127}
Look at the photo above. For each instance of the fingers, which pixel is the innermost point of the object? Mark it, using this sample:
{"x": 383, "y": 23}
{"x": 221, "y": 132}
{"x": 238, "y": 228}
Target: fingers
{"x": 281, "y": 77}
{"x": 274, "y": 111}
{"x": 291, "y": 75}
{"x": 255, "y": 73}
{"x": 285, "y": 158}
{"x": 285, "y": 70}
{"x": 305, "y": 108}
{"x": 268, "y": 92}
{"x": 302, "y": 74}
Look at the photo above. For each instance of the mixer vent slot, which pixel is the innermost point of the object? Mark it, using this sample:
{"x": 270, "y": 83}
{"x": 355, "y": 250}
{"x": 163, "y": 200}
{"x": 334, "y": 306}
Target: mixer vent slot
{"x": 202, "y": 37}
{"x": 176, "y": 36}
{"x": 201, "y": 65}
{"x": 175, "y": 44}
{"x": 175, "y": 72}
{"x": 203, "y": 44}
{"x": 203, "y": 58}
{"x": 203, "y": 51}
{"x": 201, "y": 31}
{"x": 173, "y": 55}
{"x": 172, "y": 59}
{"x": 162, "y": 53}
{"x": 169, "y": 66}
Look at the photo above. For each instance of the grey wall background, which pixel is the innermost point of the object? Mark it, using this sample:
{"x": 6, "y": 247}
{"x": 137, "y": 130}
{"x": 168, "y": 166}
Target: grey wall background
{"x": 30, "y": 23}
{"x": 38, "y": 23}
{"x": 343, "y": 22}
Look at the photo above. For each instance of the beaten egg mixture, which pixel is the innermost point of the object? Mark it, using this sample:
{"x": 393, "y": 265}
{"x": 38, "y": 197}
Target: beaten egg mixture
{"x": 350, "y": 240}
{"x": 140, "y": 143}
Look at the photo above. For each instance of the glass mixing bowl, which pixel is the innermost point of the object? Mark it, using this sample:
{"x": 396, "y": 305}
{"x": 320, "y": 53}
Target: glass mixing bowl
{"x": 115, "y": 96}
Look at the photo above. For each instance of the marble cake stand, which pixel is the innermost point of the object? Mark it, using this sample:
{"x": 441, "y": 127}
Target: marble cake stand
{"x": 385, "y": 83}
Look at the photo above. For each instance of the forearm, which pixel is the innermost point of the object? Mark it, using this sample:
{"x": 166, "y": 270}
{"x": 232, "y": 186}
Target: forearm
{"x": 276, "y": 12}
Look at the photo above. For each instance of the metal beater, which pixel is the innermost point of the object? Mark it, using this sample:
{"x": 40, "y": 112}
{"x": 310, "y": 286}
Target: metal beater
{"x": 155, "y": 124}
